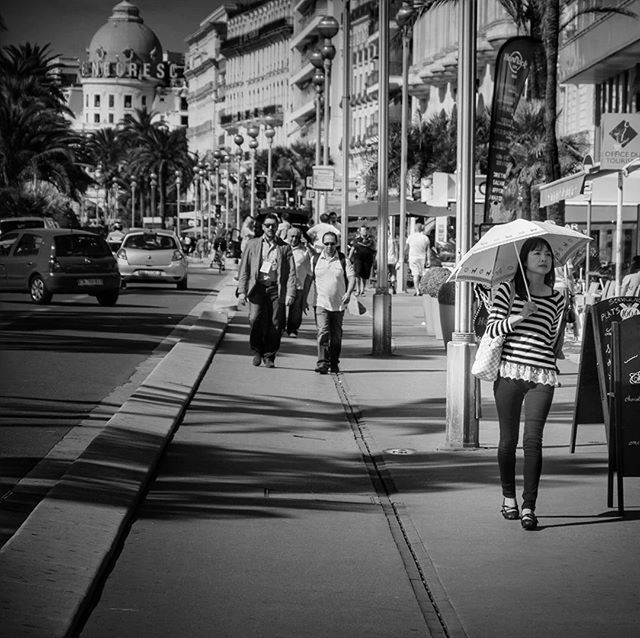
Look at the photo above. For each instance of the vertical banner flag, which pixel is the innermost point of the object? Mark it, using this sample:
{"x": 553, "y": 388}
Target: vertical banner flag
{"x": 514, "y": 62}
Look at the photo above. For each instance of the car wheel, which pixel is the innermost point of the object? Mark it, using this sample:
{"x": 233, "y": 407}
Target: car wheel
{"x": 39, "y": 291}
{"x": 108, "y": 298}
{"x": 182, "y": 284}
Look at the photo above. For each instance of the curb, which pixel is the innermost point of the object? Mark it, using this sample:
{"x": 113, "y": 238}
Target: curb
{"x": 48, "y": 570}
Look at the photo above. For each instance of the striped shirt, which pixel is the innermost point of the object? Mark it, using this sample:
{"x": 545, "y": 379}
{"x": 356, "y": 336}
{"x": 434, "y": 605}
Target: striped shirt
{"x": 528, "y": 350}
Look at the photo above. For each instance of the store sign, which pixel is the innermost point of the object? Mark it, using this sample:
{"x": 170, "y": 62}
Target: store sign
{"x": 136, "y": 70}
{"x": 558, "y": 191}
{"x": 620, "y": 139}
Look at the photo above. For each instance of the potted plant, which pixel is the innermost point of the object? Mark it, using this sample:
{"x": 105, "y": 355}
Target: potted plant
{"x": 447, "y": 303}
{"x": 429, "y": 286}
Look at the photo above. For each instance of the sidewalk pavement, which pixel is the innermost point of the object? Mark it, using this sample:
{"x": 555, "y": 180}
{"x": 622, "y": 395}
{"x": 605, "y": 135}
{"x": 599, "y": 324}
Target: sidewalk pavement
{"x": 368, "y": 525}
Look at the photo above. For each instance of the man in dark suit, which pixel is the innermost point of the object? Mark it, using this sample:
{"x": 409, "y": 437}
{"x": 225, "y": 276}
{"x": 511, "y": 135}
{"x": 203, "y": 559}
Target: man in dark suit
{"x": 267, "y": 278}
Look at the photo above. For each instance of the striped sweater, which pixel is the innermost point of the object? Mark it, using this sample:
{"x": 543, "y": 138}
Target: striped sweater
{"x": 531, "y": 342}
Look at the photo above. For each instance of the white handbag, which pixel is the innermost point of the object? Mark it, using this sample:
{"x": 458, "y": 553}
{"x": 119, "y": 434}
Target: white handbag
{"x": 486, "y": 364}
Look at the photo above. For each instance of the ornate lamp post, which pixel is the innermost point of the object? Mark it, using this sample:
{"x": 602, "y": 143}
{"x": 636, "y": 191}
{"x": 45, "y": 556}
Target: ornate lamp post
{"x": 318, "y": 81}
{"x": 269, "y": 133}
{"x": 226, "y": 160}
{"x": 238, "y": 140}
{"x": 217, "y": 156}
{"x": 327, "y": 28}
{"x": 133, "y": 201}
{"x": 178, "y": 176}
{"x": 196, "y": 195}
{"x": 98, "y": 183}
{"x": 404, "y": 21}
{"x": 153, "y": 185}
{"x": 253, "y": 131}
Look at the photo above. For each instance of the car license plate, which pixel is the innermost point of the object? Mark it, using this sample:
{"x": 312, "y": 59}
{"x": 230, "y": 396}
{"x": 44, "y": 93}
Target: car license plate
{"x": 150, "y": 273}
{"x": 89, "y": 282}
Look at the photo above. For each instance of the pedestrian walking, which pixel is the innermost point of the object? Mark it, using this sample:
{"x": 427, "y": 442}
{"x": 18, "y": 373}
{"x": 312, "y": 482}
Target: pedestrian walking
{"x": 303, "y": 281}
{"x": 267, "y": 278}
{"x": 334, "y": 282}
{"x": 528, "y": 314}
{"x": 361, "y": 255}
{"x": 316, "y": 232}
{"x": 419, "y": 255}
{"x": 393, "y": 262}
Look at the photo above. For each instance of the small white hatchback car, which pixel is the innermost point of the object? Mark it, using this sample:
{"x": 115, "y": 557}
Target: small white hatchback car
{"x": 152, "y": 256}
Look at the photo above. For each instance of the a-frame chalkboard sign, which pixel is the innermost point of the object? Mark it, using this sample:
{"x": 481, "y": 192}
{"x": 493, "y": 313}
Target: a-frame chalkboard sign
{"x": 592, "y": 403}
{"x": 625, "y": 415}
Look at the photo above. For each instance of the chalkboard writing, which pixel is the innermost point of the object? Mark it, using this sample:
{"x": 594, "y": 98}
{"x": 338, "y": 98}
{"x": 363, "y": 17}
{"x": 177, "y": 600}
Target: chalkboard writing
{"x": 628, "y": 397}
{"x": 594, "y": 372}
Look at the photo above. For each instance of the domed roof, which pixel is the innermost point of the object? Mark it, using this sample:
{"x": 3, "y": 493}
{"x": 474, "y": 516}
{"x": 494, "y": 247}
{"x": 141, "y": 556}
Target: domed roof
{"x": 125, "y": 38}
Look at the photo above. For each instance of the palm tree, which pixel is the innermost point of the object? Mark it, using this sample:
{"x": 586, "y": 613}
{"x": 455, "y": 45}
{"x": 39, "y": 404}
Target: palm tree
{"x": 38, "y": 149}
{"x": 156, "y": 149}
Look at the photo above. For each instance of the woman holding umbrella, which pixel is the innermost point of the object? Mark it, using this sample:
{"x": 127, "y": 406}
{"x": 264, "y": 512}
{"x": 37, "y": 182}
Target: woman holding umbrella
{"x": 527, "y": 312}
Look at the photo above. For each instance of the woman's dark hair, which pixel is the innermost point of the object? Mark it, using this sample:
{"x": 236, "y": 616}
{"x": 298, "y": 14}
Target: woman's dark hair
{"x": 530, "y": 245}
{"x": 635, "y": 265}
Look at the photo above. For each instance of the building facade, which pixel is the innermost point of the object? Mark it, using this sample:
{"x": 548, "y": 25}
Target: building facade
{"x": 126, "y": 69}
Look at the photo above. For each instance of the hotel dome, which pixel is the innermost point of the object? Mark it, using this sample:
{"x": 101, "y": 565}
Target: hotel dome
{"x": 125, "y": 38}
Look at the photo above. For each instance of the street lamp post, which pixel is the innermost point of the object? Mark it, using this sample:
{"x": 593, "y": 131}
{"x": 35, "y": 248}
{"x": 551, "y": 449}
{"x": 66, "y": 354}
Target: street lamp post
{"x": 269, "y": 133}
{"x": 462, "y": 387}
{"x": 226, "y": 160}
{"x": 133, "y": 201}
{"x": 206, "y": 194}
{"x": 217, "y": 155}
{"x": 253, "y": 131}
{"x": 318, "y": 82}
{"x": 238, "y": 140}
{"x": 178, "y": 176}
{"x": 196, "y": 195}
{"x": 153, "y": 184}
{"x": 403, "y": 19}
{"x": 382, "y": 298}
{"x": 346, "y": 120}
{"x": 115, "y": 188}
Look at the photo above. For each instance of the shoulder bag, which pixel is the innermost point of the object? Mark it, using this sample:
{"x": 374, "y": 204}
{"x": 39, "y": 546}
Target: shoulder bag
{"x": 487, "y": 361}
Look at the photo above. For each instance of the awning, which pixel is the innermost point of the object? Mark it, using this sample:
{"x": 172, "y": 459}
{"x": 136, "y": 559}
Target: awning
{"x": 417, "y": 209}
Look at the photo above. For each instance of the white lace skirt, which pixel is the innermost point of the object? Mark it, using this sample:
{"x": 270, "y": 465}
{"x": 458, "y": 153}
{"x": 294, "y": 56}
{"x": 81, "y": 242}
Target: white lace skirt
{"x": 529, "y": 373}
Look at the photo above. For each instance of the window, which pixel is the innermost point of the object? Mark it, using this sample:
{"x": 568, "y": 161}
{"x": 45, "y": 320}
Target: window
{"x": 81, "y": 246}
{"x": 144, "y": 101}
{"x": 112, "y": 101}
{"x": 184, "y": 120}
{"x": 110, "y": 118}
{"x": 96, "y": 101}
{"x": 96, "y": 118}
{"x": 28, "y": 245}
{"x": 183, "y": 104}
{"x": 128, "y": 100}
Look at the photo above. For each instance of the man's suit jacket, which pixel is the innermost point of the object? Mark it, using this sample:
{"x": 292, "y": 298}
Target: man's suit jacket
{"x": 250, "y": 269}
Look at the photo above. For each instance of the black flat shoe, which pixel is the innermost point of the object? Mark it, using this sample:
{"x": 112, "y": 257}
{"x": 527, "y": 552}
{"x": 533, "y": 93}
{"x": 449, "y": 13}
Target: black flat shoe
{"x": 511, "y": 513}
{"x": 529, "y": 521}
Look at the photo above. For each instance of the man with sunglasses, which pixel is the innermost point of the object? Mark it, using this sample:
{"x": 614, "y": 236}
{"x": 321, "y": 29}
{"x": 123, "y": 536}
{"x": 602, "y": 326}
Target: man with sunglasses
{"x": 334, "y": 281}
{"x": 267, "y": 278}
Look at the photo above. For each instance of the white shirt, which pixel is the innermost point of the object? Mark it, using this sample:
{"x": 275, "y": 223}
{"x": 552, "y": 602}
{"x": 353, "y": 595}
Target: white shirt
{"x": 303, "y": 264}
{"x": 329, "y": 282}
{"x": 418, "y": 245}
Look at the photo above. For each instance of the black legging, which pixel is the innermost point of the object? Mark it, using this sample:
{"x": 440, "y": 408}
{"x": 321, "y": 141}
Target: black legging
{"x": 509, "y": 395}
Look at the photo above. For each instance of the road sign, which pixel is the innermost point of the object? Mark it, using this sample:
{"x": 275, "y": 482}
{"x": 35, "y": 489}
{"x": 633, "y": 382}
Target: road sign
{"x": 282, "y": 185}
{"x": 323, "y": 178}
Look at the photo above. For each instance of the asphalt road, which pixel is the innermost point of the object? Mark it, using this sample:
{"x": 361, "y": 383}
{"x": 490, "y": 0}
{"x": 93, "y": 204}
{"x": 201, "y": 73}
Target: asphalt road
{"x": 66, "y": 367}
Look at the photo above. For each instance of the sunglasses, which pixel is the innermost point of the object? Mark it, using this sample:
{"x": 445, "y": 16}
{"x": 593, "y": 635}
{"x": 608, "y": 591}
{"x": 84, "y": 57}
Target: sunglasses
{"x": 330, "y": 243}
{"x": 269, "y": 225}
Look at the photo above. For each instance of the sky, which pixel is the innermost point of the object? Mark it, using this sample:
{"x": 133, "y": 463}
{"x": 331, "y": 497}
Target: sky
{"x": 70, "y": 24}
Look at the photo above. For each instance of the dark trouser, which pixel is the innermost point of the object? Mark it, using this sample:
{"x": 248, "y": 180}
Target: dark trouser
{"x": 510, "y": 395}
{"x": 294, "y": 317}
{"x": 329, "y": 324}
{"x": 266, "y": 318}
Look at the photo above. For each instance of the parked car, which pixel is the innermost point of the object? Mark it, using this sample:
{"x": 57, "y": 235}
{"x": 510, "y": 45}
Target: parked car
{"x": 152, "y": 256}
{"x": 8, "y": 224}
{"x": 46, "y": 261}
